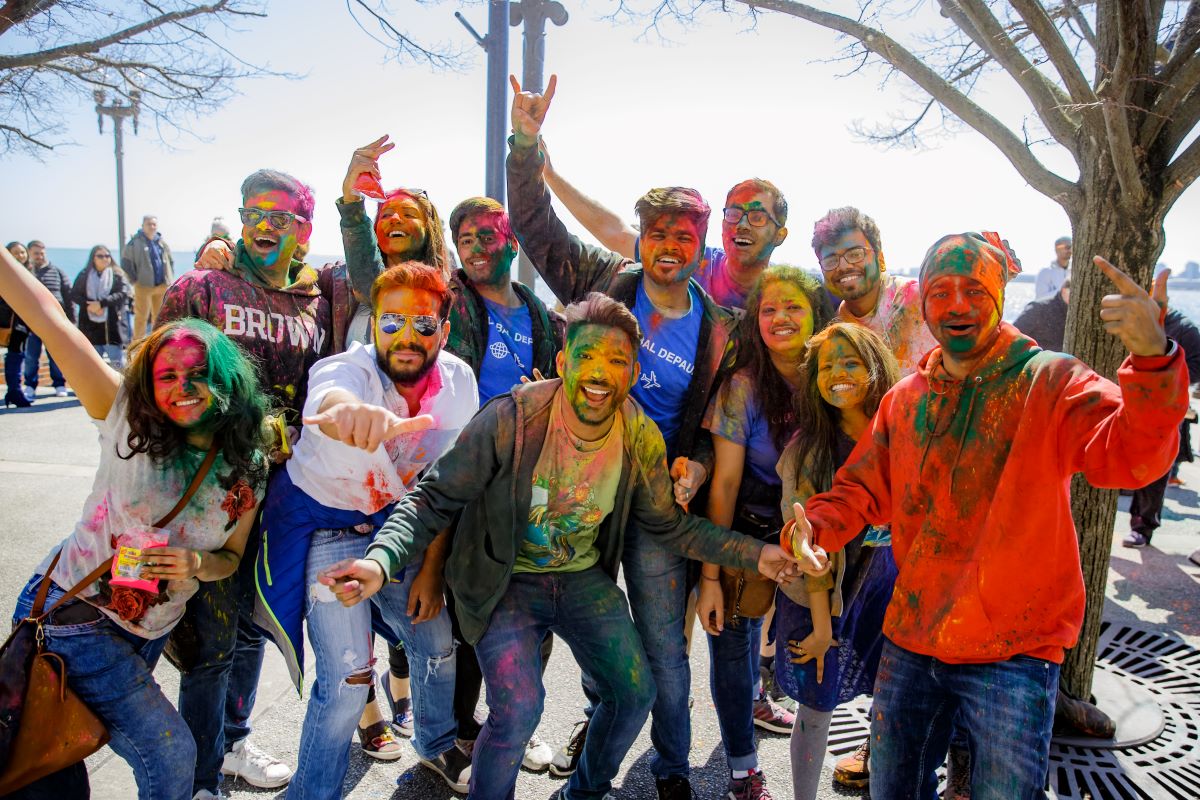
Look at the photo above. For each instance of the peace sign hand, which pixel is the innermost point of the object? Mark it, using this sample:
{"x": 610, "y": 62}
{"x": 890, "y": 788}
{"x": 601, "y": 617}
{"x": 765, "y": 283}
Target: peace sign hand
{"x": 365, "y": 161}
{"x": 529, "y": 111}
{"x": 1135, "y": 316}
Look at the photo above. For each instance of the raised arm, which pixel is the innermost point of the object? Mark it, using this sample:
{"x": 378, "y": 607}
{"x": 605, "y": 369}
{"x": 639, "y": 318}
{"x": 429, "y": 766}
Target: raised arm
{"x": 570, "y": 268}
{"x": 601, "y": 222}
{"x": 364, "y": 262}
{"x": 95, "y": 383}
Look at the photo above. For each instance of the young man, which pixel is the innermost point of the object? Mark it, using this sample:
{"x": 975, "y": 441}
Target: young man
{"x": 147, "y": 261}
{"x": 59, "y": 285}
{"x": 1051, "y": 279}
{"x": 271, "y": 305}
{"x": 687, "y": 339}
{"x": 850, "y": 252}
{"x": 347, "y": 471}
{"x": 752, "y": 226}
{"x": 549, "y": 479}
{"x": 990, "y": 593}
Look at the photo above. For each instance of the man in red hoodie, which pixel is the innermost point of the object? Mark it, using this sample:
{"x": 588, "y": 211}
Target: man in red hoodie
{"x": 970, "y": 460}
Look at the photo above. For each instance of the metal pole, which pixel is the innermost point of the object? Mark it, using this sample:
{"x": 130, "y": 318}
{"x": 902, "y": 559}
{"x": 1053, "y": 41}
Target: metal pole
{"x": 497, "y": 97}
{"x": 119, "y": 137}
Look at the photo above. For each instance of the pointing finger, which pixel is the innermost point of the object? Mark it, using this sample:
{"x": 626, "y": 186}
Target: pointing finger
{"x": 1122, "y": 281}
{"x": 410, "y": 425}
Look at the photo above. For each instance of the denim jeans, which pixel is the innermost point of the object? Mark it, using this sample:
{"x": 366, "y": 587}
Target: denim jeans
{"x": 1006, "y": 708}
{"x": 431, "y": 659}
{"x": 216, "y": 695}
{"x": 114, "y": 352}
{"x": 112, "y": 671}
{"x": 733, "y": 678}
{"x": 588, "y": 612}
{"x": 341, "y": 640}
{"x": 33, "y": 354}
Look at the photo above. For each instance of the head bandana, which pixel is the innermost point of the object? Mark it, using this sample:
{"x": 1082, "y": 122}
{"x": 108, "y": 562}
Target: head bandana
{"x": 983, "y": 257}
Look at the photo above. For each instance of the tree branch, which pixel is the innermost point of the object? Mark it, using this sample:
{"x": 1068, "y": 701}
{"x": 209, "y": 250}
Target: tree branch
{"x": 95, "y": 45}
{"x": 1038, "y": 176}
{"x": 1187, "y": 115}
{"x": 1172, "y": 94}
{"x": 1180, "y": 173}
{"x": 1056, "y": 50}
{"x": 974, "y": 19}
{"x": 1076, "y": 16}
{"x": 1114, "y": 91}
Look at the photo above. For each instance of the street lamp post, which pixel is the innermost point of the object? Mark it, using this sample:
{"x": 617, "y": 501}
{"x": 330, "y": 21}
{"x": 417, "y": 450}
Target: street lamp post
{"x": 119, "y": 111}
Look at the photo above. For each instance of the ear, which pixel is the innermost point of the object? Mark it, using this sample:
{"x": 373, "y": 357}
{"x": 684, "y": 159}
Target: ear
{"x": 446, "y": 328}
{"x": 882, "y": 262}
{"x": 304, "y": 232}
{"x": 780, "y": 235}
{"x": 637, "y": 370}
{"x": 559, "y": 360}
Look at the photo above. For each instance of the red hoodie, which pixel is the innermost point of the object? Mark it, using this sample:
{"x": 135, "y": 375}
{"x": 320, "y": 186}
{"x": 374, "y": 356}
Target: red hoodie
{"x": 974, "y": 478}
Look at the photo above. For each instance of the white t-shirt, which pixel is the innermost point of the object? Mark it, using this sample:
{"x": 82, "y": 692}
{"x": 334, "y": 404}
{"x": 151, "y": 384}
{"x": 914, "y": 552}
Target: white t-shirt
{"x": 341, "y": 476}
{"x": 132, "y": 494}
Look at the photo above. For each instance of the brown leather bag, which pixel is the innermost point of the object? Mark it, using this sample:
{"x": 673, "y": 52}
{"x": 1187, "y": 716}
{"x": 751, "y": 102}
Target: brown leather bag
{"x": 747, "y": 594}
{"x": 44, "y": 726}
{"x": 53, "y": 727}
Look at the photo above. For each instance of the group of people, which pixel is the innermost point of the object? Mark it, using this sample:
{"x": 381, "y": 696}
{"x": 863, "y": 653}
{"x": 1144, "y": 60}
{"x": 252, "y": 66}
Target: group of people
{"x": 389, "y": 446}
{"x": 98, "y": 301}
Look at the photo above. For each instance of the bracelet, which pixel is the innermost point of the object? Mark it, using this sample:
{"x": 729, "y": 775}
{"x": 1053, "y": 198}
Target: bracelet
{"x": 710, "y": 579}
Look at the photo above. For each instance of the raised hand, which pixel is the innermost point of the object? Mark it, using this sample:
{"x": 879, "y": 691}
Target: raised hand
{"x": 353, "y": 580}
{"x": 1135, "y": 316}
{"x": 365, "y": 161}
{"x": 529, "y": 111}
{"x": 813, "y": 560}
{"x": 688, "y": 476}
{"x": 364, "y": 425}
{"x": 537, "y": 376}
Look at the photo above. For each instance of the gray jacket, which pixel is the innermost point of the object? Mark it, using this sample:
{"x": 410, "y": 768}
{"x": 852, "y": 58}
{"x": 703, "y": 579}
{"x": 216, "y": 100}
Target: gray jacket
{"x": 135, "y": 260}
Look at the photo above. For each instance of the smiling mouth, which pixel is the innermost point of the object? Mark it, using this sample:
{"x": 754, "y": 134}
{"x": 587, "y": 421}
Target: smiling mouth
{"x": 743, "y": 241}
{"x": 265, "y": 242}
{"x": 842, "y": 387}
{"x": 187, "y": 403}
{"x": 959, "y": 327}
{"x": 785, "y": 331}
{"x": 479, "y": 263}
{"x": 668, "y": 261}
{"x": 397, "y": 234}
{"x": 596, "y": 395}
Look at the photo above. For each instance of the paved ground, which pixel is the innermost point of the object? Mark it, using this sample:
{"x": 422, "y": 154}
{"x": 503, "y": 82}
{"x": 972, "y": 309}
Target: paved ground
{"x": 48, "y": 457}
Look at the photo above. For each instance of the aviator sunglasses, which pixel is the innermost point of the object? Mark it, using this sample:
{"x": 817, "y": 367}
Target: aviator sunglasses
{"x": 279, "y": 220}
{"x": 424, "y": 324}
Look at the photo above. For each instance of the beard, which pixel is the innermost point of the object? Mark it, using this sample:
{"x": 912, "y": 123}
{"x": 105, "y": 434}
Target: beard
{"x": 408, "y": 374}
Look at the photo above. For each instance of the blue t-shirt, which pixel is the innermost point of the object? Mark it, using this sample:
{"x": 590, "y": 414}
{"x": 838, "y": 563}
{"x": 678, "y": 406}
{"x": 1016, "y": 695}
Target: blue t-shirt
{"x": 509, "y": 351}
{"x": 667, "y": 359}
{"x": 736, "y": 414}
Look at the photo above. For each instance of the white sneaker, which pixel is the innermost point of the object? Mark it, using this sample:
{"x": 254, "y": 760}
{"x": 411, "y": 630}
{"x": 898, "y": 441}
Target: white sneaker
{"x": 255, "y": 767}
{"x": 60, "y": 391}
{"x": 538, "y": 755}
{"x": 29, "y": 392}
{"x": 205, "y": 794}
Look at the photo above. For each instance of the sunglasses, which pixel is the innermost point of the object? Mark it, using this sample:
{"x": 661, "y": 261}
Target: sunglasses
{"x": 757, "y": 216}
{"x": 103, "y": 255}
{"x": 424, "y": 324}
{"x": 279, "y": 220}
{"x": 854, "y": 256}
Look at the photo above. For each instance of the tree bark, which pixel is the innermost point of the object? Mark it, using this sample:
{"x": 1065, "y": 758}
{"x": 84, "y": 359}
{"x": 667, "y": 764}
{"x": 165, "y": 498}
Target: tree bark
{"x": 1132, "y": 238}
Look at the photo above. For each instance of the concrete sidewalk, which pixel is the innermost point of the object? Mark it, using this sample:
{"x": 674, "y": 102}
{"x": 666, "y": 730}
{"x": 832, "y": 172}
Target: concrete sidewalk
{"x": 48, "y": 456}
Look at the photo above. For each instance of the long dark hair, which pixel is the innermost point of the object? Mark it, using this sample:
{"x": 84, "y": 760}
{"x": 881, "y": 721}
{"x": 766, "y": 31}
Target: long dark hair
{"x": 774, "y": 394}
{"x": 239, "y": 405}
{"x": 817, "y": 422}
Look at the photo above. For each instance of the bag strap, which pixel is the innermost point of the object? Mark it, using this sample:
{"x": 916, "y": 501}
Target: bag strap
{"x": 44, "y": 589}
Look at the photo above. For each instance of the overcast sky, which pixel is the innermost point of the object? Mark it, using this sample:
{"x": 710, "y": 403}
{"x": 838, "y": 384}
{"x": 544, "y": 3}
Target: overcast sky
{"x": 719, "y": 104}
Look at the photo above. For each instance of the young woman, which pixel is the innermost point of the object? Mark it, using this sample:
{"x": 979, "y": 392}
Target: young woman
{"x": 188, "y": 390}
{"x": 14, "y": 355}
{"x": 750, "y": 418}
{"x": 103, "y": 293}
{"x": 832, "y": 625}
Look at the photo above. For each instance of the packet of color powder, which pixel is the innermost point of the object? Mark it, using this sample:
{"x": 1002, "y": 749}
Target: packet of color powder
{"x": 127, "y": 567}
{"x": 369, "y": 185}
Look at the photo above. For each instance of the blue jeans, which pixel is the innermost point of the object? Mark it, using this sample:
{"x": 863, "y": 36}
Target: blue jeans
{"x": 588, "y": 612}
{"x": 33, "y": 354}
{"x": 217, "y": 692}
{"x": 733, "y": 678}
{"x": 341, "y": 640}
{"x": 114, "y": 352}
{"x": 112, "y": 671}
{"x": 1005, "y": 707}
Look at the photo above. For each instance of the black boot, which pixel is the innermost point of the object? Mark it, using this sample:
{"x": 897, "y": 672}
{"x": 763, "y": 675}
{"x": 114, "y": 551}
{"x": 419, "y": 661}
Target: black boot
{"x": 17, "y": 398}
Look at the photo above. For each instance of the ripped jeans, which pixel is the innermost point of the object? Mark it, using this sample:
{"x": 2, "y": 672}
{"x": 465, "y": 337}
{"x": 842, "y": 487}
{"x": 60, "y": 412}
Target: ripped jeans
{"x": 341, "y": 640}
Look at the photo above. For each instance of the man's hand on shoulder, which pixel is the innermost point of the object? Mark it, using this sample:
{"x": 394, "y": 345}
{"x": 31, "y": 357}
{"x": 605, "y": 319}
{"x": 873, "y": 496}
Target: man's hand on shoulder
{"x": 216, "y": 255}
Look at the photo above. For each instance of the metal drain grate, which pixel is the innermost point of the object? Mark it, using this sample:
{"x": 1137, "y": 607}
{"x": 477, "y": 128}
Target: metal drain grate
{"x": 1167, "y": 768}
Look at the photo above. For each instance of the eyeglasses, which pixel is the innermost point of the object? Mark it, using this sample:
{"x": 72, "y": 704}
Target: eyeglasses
{"x": 103, "y": 255}
{"x": 279, "y": 220}
{"x": 424, "y": 324}
{"x": 853, "y": 255}
{"x": 757, "y": 216}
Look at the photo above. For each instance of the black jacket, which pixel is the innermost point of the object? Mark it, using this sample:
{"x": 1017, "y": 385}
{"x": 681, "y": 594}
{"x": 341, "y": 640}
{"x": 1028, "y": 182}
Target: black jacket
{"x": 1045, "y": 321}
{"x": 116, "y": 329}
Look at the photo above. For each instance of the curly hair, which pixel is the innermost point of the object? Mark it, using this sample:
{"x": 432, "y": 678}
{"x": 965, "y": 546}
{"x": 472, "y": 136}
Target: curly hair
{"x": 817, "y": 422}
{"x": 839, "y": 221}
{"x": 774, "y": 394}
{"x": 600, "y": 309}
{"x": 238, "y": 405}
{"x": 433, "y": 253}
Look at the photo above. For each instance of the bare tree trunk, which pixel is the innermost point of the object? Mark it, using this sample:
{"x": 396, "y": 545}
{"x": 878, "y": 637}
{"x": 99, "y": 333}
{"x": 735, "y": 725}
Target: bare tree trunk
{"x": 1132, "y": 239}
